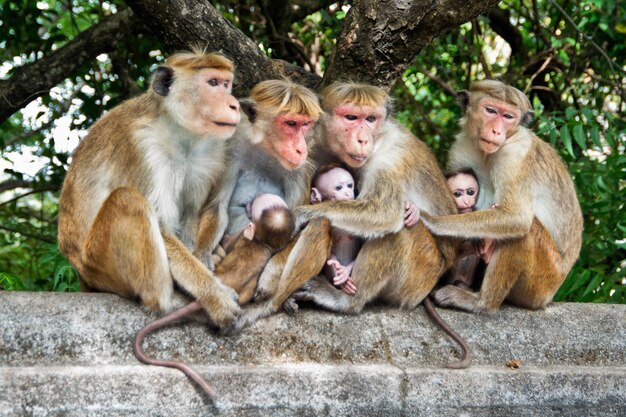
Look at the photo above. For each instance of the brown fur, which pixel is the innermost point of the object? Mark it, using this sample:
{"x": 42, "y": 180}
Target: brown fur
{"x": 397, "y": 264}
{"x": 538, "y": 223}
{"x": 129, "y": 212}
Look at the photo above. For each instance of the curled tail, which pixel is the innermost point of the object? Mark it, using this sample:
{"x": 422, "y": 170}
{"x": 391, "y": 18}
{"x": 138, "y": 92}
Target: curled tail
{"x": 467, "y": 354}
{"x": 163, "y": 321}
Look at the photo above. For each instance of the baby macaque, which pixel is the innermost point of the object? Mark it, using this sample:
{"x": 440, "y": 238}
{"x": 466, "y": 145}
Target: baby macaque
{"x": 334, "y": 183}
{"x": 465, "y": 189}
{"x": 269, "y": 230}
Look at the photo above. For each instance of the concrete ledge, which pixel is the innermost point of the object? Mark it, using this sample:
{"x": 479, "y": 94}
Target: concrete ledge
{"x": 71, "y": 355}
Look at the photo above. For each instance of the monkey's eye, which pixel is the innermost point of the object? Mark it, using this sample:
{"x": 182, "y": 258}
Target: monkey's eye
{"x": 338, "y": 187}
{"x": 491, "y": 110}
{"x": 457, "y": 194}
{"x": 371, "y": 119}
{"x": 350, "y": 185}
{"x": 471, "y": 192}
{"x": 509, "y": 116}
{"x": 226, "y": 84}
{"x": 290, "y": 123}
{"x": 351, "y": 117}
{"x": 213, "y": 82}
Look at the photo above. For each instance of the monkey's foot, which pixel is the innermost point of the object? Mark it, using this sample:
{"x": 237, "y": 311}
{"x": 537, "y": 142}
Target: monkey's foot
{"x": 290, "y": 306}
{"x": 222, "y": 305}
{"x": 456, "y": 297}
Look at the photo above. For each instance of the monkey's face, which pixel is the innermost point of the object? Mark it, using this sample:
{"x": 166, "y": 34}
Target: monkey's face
{"x": 465, "y": 191}
{"x": 288, "y": 141}
{"x": 353, "y": 132}
{"x": 202, "y": 102}
{"x": 336, "y": 185}
{"x": 498, "y": 121}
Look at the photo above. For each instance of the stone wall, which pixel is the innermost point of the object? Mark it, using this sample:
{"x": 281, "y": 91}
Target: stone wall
{"x": 71, "y": 355}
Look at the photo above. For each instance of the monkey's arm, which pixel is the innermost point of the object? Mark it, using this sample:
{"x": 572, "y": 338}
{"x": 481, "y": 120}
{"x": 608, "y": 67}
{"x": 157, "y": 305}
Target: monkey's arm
{"x": 373, "y": 214}
{"x": 501, "y": 223}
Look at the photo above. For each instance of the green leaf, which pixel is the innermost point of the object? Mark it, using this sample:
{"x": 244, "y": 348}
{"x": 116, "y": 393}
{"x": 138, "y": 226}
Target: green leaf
{"x": 579, "y": 136}
{"x": 595, "y": 136}
{"x": 567, "y": 140}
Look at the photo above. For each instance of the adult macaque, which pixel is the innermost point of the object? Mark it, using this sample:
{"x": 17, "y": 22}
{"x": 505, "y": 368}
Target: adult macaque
{"x": 139, "y": 182}
{"x": 272, "y": 147}
{"x": 537, "y": 225}
{"x": 397, "y": 264}
{"x": 269, "y": 231}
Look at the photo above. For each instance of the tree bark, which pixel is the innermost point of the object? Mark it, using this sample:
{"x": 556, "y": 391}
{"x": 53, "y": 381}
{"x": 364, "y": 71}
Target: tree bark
{"x": 380, "y": 38}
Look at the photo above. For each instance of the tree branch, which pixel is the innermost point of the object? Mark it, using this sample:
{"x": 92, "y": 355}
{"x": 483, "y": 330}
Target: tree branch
{"x": 31, "y": 235}
{"x": 380, "y": 38}
{"x": 181, "y": 24}
{"x": 36, "y": 79}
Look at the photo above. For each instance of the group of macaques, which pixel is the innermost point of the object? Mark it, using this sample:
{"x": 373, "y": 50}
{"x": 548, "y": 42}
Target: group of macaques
{"x": 186, "y": 189}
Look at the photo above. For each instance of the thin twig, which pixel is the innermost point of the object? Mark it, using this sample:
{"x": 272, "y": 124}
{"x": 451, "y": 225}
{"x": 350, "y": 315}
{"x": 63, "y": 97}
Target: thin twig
{"x": 38, "y": 190}
{"x": 42, "y": 238}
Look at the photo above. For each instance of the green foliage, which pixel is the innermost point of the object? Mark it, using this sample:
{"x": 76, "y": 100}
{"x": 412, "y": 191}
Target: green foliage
{"x": 569, "y": 57}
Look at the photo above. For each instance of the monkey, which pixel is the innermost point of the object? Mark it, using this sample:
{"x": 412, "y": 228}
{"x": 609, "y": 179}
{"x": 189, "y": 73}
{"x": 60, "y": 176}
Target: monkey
{"x": 268, "y": 231}
{"x": 273, "y": 145}
{"x": 465, "y": 189}
{"x": 270, "y": 154}
{"x": 334, "y": 183}
{"x": 391, "y": 166}
{"x": 141, "y": 181}
{"x": 537, "y": 226}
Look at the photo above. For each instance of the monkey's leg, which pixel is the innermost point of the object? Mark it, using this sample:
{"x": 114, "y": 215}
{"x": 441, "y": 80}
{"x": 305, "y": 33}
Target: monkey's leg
{"x": 401, "y": 268}
{"x": 306, "y": 260}
{"x": 124, "y": 252}
{"x": 270, "y": 277}
{"x": 543, "y": 276}
{"x": 509, "y": 262}
{"x": 219, "y": 300}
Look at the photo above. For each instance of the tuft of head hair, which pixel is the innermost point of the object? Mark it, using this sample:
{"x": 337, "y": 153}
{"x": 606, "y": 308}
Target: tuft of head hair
{"x": 324, "y": 169}
{"x": 363, "y": 95}
{"x": 275, "y": 227}
{"x": 466, "y": 171}
{"x": 285, "y": 97}
{"x": 503, "y": 92}
{"x": 199, "y": 59}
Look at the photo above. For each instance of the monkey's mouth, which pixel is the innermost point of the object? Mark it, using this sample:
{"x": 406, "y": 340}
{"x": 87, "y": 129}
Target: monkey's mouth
{"x": 359, "y": 158}
{"x": 224, "y": 124}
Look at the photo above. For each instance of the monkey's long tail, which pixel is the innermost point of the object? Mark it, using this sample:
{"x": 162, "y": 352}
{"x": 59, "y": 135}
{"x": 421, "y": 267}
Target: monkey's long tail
{"x": 163, "y": 321}
{"x": 467, "y": 354}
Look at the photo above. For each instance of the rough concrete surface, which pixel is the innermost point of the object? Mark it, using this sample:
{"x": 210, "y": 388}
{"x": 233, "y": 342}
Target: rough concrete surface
{"x": 71, "y": 355}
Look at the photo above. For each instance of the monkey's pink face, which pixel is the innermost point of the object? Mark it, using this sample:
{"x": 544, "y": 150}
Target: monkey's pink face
{"x": 289, "y": 143}
{"x": 464, "y": 190}
{"x": 214, "y": 110}
{"x": 353, "y": 129}
{"x": 336, "y": 185}
{"x": 499, "y": 121}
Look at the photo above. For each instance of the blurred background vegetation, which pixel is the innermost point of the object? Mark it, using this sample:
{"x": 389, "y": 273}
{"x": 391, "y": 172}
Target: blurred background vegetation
{"x": 568, "y": 56}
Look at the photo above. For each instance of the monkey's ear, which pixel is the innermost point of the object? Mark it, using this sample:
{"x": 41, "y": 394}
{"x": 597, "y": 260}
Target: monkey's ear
{"x": 316, "y": 196}
{"x": 249, "y": 108}
{"x": 388, "y": 108}
{"x": 527, "y": 119}
{"x": 462, "y": 97}
{"x": 163, "y": 79}
{"x": 249, "y": 231}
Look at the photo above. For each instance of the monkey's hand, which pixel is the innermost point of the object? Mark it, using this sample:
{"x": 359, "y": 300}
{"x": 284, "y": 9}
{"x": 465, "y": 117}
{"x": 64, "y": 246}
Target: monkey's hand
{"x": 411, "y": 214}
{"x": 221, "y": 304}
{"x": 486, "y": 248}
{"x": 348, "y": 287}
{"x": 340, "y": 273}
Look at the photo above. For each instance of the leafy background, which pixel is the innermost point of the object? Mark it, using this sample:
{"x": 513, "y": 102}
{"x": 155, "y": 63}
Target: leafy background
{"x": 568, "y": 56}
